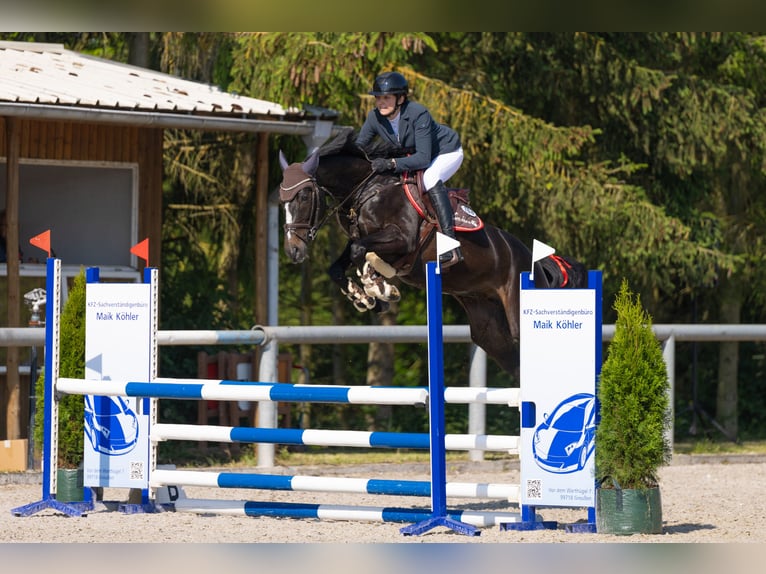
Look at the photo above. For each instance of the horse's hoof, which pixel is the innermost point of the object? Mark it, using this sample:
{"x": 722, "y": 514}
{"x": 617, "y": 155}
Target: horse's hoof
{"x": 374, "y": 289}
{"x": 368, "y": 302}
{"x": 382, "y": 290}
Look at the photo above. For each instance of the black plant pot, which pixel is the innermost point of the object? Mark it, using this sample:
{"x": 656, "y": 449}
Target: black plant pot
{"x": 628, "y": 511}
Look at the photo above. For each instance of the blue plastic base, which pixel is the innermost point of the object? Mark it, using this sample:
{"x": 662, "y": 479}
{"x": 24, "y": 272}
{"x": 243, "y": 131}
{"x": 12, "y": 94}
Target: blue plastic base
{"x": 426, "y": 525}
{"x": 146, "y": 508}
{"x": 76, "y": 509}
{"x": 576, "y": 528}
{"x": 530, "y": 525}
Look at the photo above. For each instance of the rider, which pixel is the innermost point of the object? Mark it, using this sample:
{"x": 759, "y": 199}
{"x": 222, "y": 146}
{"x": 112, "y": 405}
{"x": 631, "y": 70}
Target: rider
{"x": 437, "y": 148}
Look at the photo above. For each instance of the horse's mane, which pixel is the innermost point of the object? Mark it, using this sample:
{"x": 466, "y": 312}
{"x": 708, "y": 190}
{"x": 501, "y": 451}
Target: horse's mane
{"x": 345, "y": 144}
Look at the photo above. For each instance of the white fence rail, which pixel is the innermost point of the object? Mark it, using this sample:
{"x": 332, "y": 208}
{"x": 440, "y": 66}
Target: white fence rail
{"x": 32, "y": 336}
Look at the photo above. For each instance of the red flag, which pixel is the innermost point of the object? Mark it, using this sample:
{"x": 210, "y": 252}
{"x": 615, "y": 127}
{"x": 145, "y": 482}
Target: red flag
{"x": 141, "y": 250}
{"x": 43, "y": 241}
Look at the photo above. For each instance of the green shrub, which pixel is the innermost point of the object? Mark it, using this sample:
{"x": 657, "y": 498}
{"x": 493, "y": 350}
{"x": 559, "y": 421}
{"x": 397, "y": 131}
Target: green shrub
{"x": 72, "y": 365}
{"x": 631, "y": 443}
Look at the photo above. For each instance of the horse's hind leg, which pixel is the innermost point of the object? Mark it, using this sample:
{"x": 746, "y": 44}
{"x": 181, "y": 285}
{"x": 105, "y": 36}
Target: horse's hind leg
{"x": 490, "y": 331}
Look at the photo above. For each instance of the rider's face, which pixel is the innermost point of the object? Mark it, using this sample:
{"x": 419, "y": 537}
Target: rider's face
{"x": 386, "y": 105}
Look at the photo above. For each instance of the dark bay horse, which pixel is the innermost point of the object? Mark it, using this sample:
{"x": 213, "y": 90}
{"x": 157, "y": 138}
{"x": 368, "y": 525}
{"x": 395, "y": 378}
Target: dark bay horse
{"x": 387, "y": 237}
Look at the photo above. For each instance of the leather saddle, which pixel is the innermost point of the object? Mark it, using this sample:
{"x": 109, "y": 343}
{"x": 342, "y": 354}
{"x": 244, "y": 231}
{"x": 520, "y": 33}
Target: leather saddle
{"x": 466, "y": 219}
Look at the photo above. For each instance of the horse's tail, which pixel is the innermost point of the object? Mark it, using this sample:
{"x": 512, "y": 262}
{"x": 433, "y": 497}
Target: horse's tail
{"x": 564, "y": 272}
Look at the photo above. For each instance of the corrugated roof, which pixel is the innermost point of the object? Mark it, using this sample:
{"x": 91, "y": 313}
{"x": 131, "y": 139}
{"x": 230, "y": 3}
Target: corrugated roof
{"x": 36, "y": 73}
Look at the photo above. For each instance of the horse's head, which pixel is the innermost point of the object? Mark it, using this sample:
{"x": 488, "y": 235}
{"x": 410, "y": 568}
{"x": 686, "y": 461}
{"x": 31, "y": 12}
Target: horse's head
{"x": 304, "y": 202}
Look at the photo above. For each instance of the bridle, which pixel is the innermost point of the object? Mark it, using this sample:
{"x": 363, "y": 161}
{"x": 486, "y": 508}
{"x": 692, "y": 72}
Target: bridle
{"x": 316, "y": 218}
{"x": 319, "y": 213}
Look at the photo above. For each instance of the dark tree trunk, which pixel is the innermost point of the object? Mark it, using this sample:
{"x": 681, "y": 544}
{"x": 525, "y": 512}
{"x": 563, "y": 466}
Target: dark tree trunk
{"x": 728, "y": 360}
{"x": 139, "y": 49}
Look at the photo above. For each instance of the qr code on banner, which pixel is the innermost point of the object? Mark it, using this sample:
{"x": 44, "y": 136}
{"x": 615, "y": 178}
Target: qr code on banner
{"x": 137, "y": 470}
{"x": 534, "y": 488}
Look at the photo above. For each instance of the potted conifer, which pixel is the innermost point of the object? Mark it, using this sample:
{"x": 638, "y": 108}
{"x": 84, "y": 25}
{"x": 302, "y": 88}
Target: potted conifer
{"x": 631, "y": 440}
{"x": 69, "y": 477}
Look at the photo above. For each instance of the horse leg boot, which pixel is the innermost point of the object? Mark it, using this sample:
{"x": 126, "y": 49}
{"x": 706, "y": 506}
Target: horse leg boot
{"x": 440, "y": 200}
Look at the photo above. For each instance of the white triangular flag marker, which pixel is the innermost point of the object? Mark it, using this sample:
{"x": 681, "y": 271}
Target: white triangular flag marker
{"x": 539, "y": 251}
{"x": 444, "y": 243}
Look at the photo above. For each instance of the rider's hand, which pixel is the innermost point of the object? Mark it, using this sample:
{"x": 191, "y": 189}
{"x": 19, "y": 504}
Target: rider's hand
{"x": 380, "y": 165}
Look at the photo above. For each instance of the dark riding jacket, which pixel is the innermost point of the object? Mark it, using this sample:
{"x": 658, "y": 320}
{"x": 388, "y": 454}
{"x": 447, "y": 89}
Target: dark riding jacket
{"x": 417, "y": 131}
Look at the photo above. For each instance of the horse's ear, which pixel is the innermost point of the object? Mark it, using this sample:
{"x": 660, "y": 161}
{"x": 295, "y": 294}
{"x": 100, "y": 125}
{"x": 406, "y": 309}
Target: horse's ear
{"x": 282, "y": 160}
{"x": 312, "y": 162}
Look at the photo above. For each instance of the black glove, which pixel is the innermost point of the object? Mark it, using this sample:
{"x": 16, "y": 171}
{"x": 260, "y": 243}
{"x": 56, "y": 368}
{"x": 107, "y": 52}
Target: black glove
{"x": 380, "y": 165}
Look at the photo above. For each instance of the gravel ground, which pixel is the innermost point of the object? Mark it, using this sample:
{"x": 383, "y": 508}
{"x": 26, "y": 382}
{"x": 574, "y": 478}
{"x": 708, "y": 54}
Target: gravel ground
{"x": 704, "y": 499}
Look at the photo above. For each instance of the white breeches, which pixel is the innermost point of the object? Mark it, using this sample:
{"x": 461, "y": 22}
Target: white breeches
{"x": 442, "y": 167}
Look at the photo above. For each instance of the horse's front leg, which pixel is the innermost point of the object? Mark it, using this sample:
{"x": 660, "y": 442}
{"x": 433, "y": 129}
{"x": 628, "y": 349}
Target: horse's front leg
{"x": 371, "y": 268}
{"x": 358, "y": 296}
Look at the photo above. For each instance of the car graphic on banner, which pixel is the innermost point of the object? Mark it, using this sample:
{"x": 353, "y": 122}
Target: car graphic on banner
{"x": 563, "y": 442}
{"x": 110, "y": 425}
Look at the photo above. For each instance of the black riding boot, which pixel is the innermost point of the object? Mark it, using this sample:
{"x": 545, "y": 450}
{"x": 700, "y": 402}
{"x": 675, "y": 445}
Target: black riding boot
{"x": 440, "y": 200}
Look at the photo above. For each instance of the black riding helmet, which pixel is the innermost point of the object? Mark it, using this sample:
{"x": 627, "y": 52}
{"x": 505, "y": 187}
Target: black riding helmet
{"x": 390, "y": 83}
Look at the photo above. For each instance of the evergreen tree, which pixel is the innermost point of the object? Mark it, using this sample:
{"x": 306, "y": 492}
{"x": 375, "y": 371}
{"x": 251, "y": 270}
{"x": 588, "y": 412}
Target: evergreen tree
{"x": 631, "y": 443}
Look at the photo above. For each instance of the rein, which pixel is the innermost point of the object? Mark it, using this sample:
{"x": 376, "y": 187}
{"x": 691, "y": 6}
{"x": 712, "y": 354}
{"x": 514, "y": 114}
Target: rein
{"x": 351, "y": 195}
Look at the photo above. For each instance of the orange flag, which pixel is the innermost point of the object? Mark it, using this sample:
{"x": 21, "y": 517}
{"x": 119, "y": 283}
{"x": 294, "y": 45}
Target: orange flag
{"x": 141, "y": 250}
{"x": 43, "y": 241}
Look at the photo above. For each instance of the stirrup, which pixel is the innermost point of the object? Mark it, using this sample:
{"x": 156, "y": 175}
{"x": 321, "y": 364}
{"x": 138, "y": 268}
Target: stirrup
{"x": 450, "y": 258}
